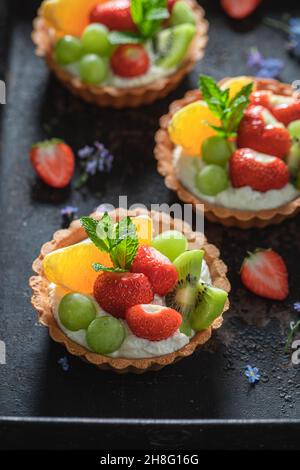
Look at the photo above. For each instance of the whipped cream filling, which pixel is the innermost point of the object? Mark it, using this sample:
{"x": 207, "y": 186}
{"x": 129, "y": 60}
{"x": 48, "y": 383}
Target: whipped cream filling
{"x": 153, "y": 73}
{"x": 132, "y": 346}
{"x": 245, "y": 198}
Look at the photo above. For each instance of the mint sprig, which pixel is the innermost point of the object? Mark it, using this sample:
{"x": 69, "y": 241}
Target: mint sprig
{"x": 148, "y": 16}
{"x": 229, "y": 110}
{"x": 120, "y": 241}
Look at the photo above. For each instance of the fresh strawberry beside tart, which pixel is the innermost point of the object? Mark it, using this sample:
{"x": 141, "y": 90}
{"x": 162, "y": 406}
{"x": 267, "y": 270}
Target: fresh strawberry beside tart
{"x": 141, "y": 308}
{"x": 235, "y": 147}
{"x": 126, "y": 52}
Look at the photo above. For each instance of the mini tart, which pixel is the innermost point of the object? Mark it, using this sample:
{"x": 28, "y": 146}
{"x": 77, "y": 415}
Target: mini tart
{"x": 74, "y": 234}
{"x": 44, "y": 38}
{"x": 229, "y": 217}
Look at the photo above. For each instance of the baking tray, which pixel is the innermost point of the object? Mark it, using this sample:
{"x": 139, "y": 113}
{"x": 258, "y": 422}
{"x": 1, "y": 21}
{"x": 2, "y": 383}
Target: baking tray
{"x": 202, "y": 402}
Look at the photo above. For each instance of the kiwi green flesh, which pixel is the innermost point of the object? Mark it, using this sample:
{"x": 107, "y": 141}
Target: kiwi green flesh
{"x": 173, "y": 44}
{"x": 209, "y": 306}
{"x": 189, "y": 265}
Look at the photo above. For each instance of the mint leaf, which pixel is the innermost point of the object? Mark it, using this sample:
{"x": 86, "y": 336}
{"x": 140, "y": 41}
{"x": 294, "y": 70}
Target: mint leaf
{"x": 229, "y": 110}
{"x": 119, "y": 37}
{"x": 136, "y": 9}
{"x": 126, "y": 250}
{"x": 157, "y": 14}
{"x": 120, "y": 240}
{"x": 90, "y": 226}
{"x": 148, "y": 16}
{"x": 100, "y": 267}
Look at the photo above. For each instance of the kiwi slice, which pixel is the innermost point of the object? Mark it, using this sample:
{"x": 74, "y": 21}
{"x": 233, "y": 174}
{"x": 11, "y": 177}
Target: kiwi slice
{"x": 210, "y": 303}
{"x": 172, "y": 44}
{"x": 183, "y": 297}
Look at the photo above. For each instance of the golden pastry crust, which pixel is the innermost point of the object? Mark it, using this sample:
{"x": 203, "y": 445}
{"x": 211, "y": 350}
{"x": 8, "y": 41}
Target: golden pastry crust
{"x": 74, "y": 234}
{"x": 229, "y": 217}
{"x": 44, "y": 39}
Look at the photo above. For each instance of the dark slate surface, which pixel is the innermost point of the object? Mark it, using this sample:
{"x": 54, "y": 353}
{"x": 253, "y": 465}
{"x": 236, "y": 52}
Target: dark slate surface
{"x": 208, "y": 385}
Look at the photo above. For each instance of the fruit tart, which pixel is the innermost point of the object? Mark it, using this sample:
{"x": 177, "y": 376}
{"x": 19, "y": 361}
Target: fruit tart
{"x": 124, "y": 294}
{"x": 120, "y": 53}
{"x": 235, "y": 148}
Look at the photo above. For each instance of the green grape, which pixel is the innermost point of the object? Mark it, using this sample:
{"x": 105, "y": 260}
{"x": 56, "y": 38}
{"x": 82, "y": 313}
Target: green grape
{"x": 211, "y": 180}
{"x": 93, "y": 69}
{"x": 170, "y": 243}
{"x": 216, "y": 151}
{"x": 182, "y": 13}
{"x": 95, "y": 40}
{"x": 68, "y": 50}
{"x": 105, "y": 335}
{"x": 294, "y": 128}
{"x": 76, "y": 311}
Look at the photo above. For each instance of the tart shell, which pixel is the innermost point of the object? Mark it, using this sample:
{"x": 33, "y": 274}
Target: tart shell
{"x": 74, "y": 234}
{"x": 44, "y": 38}
{"x": 229, "y": 217}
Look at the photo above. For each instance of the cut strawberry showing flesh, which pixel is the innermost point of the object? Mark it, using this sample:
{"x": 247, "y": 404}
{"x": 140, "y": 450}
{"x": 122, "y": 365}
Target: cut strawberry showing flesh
{"x": 264, "y": 273}
{"x": 259, "y": 171}
{"x": 153, "y": 322}
{"x": 284, "y": 108}
{"x": 260, "y": 131}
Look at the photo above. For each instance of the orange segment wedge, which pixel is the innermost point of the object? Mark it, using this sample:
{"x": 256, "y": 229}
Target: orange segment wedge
{"x": 189, "y": 127}
{"x": 71, "y": 267}
{"x": 236, "y": 84}
{"x": 68, "y": 16}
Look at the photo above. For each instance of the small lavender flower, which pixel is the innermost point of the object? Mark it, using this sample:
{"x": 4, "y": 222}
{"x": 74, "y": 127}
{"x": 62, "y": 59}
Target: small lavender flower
{"x": 64, "y": 363}
{"x": 93, "y": 160}
{"x": 297, "y": 307}
{"x": 252, "y": 374}
{"x": 292, "y": 29}
{"x": 264, "y": 67}
{"x": 68, "y": 214}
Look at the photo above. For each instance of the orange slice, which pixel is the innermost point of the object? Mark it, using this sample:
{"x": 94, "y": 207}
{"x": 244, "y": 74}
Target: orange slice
{"x": 68, "y": 16}
{"x": 236, "y": 84}
{"x": 189, "y": 127}
{"x": 71, "y": 267}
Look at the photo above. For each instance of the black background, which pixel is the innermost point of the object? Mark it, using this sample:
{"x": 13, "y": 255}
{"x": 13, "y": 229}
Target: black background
{"x": 210, "y": 385}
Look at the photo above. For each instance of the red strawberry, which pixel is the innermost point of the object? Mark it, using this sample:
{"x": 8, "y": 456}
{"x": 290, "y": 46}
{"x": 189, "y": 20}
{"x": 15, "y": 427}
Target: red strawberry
{"x": 170, "y": 5}
{"x": 284, "y": 108}
{"x": 260, "y": 131}
{"x": 130, "y": 60}
{"x": 264, "y": 273}
{"x": 115, "y": 292}
{"x": 158, "y": 268}
{"x": 153, "y": 322}
{"x": 287, "y": 113}
{"x": 54, "y": 162}
{"x": 239, "y": 9}
{"x": 261, "y": 98}
{"x": 259, "y": 171}
{"x": 115, "y": 15}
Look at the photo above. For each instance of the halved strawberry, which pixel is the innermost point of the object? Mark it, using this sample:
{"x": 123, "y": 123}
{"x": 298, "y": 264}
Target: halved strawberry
{"x": 54, "y": 162}
{"x": 259, "y": 171}
{"x": 153, "y": 322}
{"x": 284, "y": 108}
{"x": 264, "y": 273}
{"x": 260, "y": 131}
{"x": 239, "y": 9}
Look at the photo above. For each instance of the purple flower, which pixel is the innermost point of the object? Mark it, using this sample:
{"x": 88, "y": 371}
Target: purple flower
{"x": 294, "y": 36}
{"x": 297, "y": 307}
{"x": 94, "y": 159}
{"x": 68, "y": 214}
{"x": 264, "y": 67}
{"x": 85, "y": 152}
{"x": 64, "y": 363}
{"x": 252, "y": 374}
